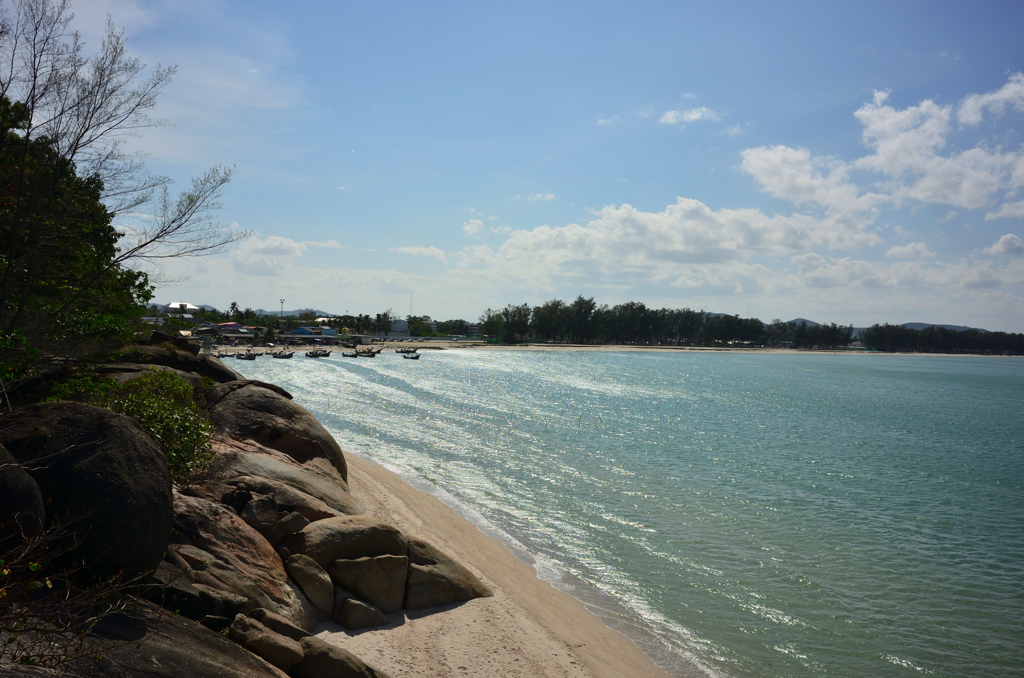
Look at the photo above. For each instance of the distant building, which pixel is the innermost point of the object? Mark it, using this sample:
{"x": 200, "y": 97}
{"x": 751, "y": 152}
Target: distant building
{"x": 180, "y": 307}
{"x": 399, "y": 329}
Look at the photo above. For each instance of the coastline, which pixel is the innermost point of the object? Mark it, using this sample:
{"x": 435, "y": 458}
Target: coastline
{"x": 528, "y": 628}
{"x": 431, "y": 345}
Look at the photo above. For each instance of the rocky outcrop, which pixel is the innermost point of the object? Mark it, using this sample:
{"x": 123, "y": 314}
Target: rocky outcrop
{"x": 346, "y": 538}
{"x": 241, "y": 561}
{"x": 21, "y": 502}
{"x": 176, "y": 647}
{"x": 263, "y": 546}
{"x": 206, "y": 366}
{"x": 103, "y": 479}
{"x": 251, "y": 411}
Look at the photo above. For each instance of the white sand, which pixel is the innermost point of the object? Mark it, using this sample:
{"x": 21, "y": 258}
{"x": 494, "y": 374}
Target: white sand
{"x": 527, "y": 628}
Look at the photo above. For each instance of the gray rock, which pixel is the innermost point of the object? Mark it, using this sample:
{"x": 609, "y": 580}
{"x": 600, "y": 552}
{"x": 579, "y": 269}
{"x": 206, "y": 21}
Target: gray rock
{"x": 254, "y": 412}
{"x": 124, "y": 372}
{"x": 346, "y": 538}
{"x": 279, "y": 650}
{"x": 355, "y": 614}
{"x": 435, "y": 579}
{"x": 278, "y": 624}
{"x": 102, "y": 471}
{"x": 379, "y": 581}
{"x": 313, "y": 580}
{"x": 206, "y": 366}
{"x": 322, "y": 660}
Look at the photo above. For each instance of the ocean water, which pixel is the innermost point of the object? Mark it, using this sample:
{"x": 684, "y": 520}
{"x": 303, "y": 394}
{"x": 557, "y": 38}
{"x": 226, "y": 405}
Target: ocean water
{"x": 736, "y": 515}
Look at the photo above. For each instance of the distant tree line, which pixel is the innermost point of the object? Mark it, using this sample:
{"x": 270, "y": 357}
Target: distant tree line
{"x": 585, "y": 322}
{"x": 941, "y": 340}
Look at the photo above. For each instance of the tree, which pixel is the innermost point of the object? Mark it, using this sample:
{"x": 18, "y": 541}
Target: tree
{"x": 65, "y": 271}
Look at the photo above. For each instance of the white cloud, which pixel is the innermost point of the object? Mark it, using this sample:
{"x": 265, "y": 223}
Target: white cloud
{"x": 1008, "y": 210}
{"x": 607, "y": 121}
{"x": 331, "y": 244}
{"x": 1008, "y": 244}
{"x": 421, "y": 251}
{"x": 734, "y": 131}
{"x": 914, "y": 250}
{"x": 691, "y": 115}
{"x": 949, "y": 215}
{"x": 472, "y": 228}
{"x": 792, "y": 174}
{"x": 536, "y": 197}
{"x": 1009, "y": 95}
{"x": 266, "y": 257}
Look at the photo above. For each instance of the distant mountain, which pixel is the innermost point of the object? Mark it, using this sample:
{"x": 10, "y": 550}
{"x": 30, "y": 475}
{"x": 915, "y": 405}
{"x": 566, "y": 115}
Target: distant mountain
{"x": 958, "y": 328}
{"x": 810, "y": 323}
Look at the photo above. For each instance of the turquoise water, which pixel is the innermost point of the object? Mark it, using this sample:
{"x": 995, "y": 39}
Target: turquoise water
{"x": 759, "y": 515}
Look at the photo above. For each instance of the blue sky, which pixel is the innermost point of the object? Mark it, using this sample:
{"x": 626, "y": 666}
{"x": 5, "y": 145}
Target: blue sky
{"x": 846, "y": 162}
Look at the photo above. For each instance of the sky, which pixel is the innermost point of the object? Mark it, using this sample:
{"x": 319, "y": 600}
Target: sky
{"x": 844, "y": 162}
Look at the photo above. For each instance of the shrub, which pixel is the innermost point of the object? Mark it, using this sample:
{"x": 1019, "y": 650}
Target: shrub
{"x": 163, "y": 404}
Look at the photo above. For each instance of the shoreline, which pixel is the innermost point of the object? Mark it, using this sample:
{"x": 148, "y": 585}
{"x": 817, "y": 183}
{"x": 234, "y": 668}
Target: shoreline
{"x": 433, "y": 345}
{"x": 528, "y": 628}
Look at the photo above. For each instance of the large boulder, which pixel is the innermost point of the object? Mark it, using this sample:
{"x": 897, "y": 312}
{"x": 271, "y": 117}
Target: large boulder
{"x": 355, "y": 615}
{"x": 346, "y": 538}
{"x": 279, "y": 650}
{"x": 251, "y": 411}
{"x": 240, "y": 561}
{"x": 124, "y": 372}
{"x": 317, "y": 491}
{"x": 205, "y": 365}
{"x": 103, "y": 478}
{"x": 314, "y": 582}
{"x": 21, "y": 503}
{"x": 435, "y": 579}
{"x": 175, "y": 647}
{"x": 379, "y": 581}
{"x": 323, "y": 660}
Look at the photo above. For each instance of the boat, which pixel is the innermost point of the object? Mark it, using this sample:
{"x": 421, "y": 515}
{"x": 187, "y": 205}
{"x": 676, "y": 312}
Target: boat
{"x": 406, "y": 350}
{"x": 282, "y": 355}
{"x": 411, "y": 356}
{"x": 353, "y": 354}
{"x": 245, "y": 356}
{"x": 366, "y": 354}
{"x": 318, "y": 353}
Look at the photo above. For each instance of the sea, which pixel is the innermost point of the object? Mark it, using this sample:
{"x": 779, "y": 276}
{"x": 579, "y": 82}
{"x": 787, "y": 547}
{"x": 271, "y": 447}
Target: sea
{"x": 734, "y": 514}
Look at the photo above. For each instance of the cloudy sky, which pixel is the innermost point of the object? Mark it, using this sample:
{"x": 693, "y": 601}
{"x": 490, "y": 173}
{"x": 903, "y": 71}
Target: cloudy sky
{"x": 848, "y": 162}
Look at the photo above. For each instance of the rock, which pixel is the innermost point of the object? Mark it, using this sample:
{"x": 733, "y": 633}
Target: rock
{"x": 322, "y": 660}
{"x": 346, "y": 538}
{"x": 435, "y": 579}
{"x": 125, "y": 372}
{"x": 287, "y": 526}
{"x": 196, "y": 558}
{"x": 313, "y": 580}
{"x": 213, "y": 368}
{"x": 243, "y": 563}
{"x": 314, "y": 492}
{"x": 236, "y": 498}
{"x": 355, "y": 614}
{"x": 181, "y": 343}
{"x": 254, "y": 412}
{"x": 102, "y": 471}
{"x": 177, "y": 647}
{"x": 261, "y": 513}
{"x": 379, "y": 581}
{"x": 214, "y": 623}
{"x": 22, "y": 513}
{"x": 278, "y": 624}
{"x": 281, "y": 651}
{"x": 206, "y": 366}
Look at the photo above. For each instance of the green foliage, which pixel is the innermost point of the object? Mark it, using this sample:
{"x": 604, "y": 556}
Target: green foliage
{"x": 163, "y": 404}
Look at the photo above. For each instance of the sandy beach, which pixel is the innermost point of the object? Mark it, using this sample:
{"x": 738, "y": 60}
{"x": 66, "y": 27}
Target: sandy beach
{"x": 528, "y": 628}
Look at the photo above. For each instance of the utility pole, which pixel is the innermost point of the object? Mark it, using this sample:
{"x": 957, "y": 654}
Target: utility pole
{"x": 281, "y": 315}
